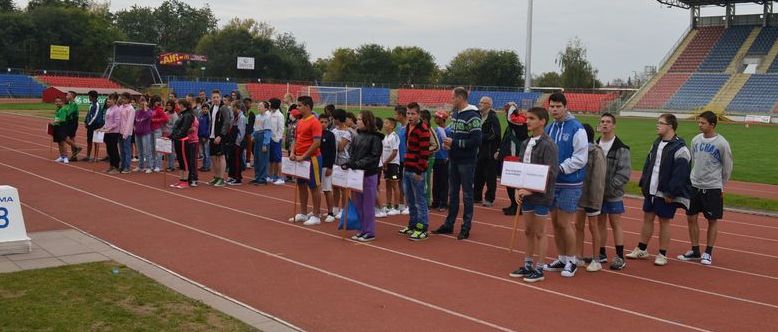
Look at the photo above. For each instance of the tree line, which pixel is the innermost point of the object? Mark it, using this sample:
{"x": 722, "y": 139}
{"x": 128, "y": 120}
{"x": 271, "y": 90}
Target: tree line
{"x": 90, "y": 28}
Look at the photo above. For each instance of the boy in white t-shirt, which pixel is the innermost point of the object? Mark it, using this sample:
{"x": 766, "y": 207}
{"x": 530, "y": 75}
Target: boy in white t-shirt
{"x": 343, "y": 138}
{"x": 391, "y": 166}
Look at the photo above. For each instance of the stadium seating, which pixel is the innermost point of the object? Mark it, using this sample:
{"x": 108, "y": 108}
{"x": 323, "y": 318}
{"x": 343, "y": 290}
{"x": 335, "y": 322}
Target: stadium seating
{"x": 662, "y": 91}
{"x": 182, "y": 88}
{"x": 774, "y": 67}
{"x": 697, "y": 50}
{"x": 424, "y": 96}
{"x": 697, "y": 91}
{"x": 764, "y": 41}
{"x": 78, "y": 82}
{"x": 725, "y": 49}
{"x": 758, "y": 95}
{"x": 19, "y": 86}
{"x": 500, "y": 98}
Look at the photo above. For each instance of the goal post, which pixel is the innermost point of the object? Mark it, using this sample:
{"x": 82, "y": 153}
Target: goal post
{"x": 342, "y": 97}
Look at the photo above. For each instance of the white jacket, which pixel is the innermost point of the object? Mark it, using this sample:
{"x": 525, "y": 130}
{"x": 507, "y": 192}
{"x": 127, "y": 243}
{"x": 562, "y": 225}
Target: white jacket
{"x": 277, "y": 125}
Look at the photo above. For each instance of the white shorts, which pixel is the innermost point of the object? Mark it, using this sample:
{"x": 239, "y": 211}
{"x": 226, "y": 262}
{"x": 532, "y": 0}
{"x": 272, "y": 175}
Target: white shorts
{"x": 326, "y": 181}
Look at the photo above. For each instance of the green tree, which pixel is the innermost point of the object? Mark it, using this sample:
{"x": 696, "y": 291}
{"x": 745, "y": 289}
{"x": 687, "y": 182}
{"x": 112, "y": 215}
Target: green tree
{"x": 374, "y": 64}
{"x": 7, "y": 6}
{"x": 81, "y": 4}
{"x": 413, "y": 65}
{"x": 342, "y": 66}
{"x": 577, "y": 71}
{"x": 174, "y": 26}
{"x": 548, "y": 80}
{"x": 484, "y": 67}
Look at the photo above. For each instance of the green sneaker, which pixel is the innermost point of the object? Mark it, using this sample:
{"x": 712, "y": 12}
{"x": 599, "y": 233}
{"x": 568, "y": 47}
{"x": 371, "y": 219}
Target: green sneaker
{"x": 418, "y": 235}
{"x": 213, "y": 181}
{"x": 405, "y": 231}
{"x": 219, "y": 183}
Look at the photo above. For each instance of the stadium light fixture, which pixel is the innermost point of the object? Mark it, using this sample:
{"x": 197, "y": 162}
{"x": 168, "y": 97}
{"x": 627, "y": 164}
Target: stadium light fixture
{"x": 528, "y": 56}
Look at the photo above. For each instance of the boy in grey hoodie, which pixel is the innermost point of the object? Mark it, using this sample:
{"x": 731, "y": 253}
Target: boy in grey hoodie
{"x": 591, "y": 199}
{"x": 618, "y": 170}
{"x": 711, "y": 168}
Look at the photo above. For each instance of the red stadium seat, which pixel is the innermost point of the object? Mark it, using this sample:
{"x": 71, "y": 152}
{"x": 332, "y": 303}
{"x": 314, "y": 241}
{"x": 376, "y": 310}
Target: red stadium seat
{"x": 78, "y": 82}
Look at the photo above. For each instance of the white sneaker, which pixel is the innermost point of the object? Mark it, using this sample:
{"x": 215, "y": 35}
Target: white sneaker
{"x": 380, "y": 213}
{"x": 706, "y": 259}
{"x": 406, "y": 211}
{"x": 660, "y": 260}
{"x": 136, "y": 169}
{"x": 299, "y": 218}
{"x": 147, "y": 171}
{"x": 65, "y": 160}
{"x": 279, "y": 182}
{"x": 339, "y": 214}
{"x": 393, "y": 212}
{"x": 58, "y": 160}
{"x": 156, "y": 170}
{"x": 638, "y": 254}
{"x": 268, "y": 179}
{"x": 336, "y": 211}
{"x": 313, "y": 220}
{"x": 330, "y": 218}
{"x": 594, "y": 266}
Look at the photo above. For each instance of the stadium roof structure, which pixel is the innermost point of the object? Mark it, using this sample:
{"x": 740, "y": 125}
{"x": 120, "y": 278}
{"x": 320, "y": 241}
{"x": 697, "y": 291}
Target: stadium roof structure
{"x": 686, "y": 4}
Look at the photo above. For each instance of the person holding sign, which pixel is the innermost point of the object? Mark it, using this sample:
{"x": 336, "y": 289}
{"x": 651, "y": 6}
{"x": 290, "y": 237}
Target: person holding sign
{"x": 365, "y": 153}
{"x": 306, "y": 148}
{"x": 538, "y": 149}
{"x": 113, "y": 134}
{"x": 417, "y": 153}
{"x": 665, "y": 184}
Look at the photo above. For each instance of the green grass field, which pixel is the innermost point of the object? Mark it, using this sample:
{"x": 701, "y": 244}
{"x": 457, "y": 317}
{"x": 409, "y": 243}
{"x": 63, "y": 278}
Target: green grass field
{"x": 89, "y": 297}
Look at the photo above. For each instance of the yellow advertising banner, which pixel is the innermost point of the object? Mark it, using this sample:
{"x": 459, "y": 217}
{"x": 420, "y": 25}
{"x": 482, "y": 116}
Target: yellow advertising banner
{"x": 59, "y": 52}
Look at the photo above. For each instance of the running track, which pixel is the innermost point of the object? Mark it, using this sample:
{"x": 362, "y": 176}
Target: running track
{"x": 237, "y": 241}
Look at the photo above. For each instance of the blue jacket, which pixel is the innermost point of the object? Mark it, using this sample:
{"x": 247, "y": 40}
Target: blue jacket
{"x": 205, "y": 125}
{"x": 442, "y": 133}
{"x": 95, "y": 118}
{"x": 466, "y": 135}
{"x": 674, "y": 171}
{"x": 403, "y": 142}
{"x": 573, "y": 146}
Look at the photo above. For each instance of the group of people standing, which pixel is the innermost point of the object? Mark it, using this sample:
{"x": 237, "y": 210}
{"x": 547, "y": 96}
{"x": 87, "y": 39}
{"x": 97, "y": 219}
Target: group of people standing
{"x": 428, "y": 161}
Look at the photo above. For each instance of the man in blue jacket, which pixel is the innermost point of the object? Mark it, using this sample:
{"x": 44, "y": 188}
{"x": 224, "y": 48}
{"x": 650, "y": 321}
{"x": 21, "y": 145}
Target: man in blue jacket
{"x": 665, "y": 184}
{"x": 573, "y": 147}
{"x": 463, "y": 152}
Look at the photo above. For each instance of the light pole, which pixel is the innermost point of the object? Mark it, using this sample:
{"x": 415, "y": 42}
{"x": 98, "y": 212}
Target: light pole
{"x": 528, "y": 56}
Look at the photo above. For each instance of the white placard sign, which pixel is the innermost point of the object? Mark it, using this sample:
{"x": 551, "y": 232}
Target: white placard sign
{"x": 758, "y": 118}
{"x": 164, "y": 145}
{"x": 350, "y": 179}
{"x": 298, "y": 169}
{"x": 524, "y": 176}
{"x": 99, "y": 137}
{"x": 245, "y": 63}
{"x": 13, "y": 234}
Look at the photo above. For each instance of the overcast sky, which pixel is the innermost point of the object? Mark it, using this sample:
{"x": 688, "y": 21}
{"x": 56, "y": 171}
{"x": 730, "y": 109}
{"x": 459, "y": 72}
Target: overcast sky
{"x": 622, "y": 36}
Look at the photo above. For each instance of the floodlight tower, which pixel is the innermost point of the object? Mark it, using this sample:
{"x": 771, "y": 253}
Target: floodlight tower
{"x": 528, "y": 56}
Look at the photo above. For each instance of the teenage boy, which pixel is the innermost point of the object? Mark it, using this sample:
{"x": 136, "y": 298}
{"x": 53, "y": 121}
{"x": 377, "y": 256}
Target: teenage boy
{"x": 72, "y": 125}
{"x": 712, "y": 167}
{"x": 236, "y": 145}
{"x": 95, "y": 119}
{"x": 618, "y": 169}
{"x": 417, "y": 154}
{"x": 221, "y": 121}
{"x": 390, "y": 158}
{"x": 277, "y": 127}
{"x": 401, "y": 115}
{"x": 261, "y": 143}
{"x": 665, "y": 184}
{"x": 538, "y": 149}
{"x": 306, "y": 147}
{"x": 328, "y": 154}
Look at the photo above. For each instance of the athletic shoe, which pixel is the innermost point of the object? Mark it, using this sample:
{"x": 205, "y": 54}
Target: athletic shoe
{"x": 229, "y": 180}
{"x": 393, "y": 212}
{"x": 569, "y": 270}
{"x": 521, "y": 272}
{"x": 219, "y": 183}
{"x": 535, "y": 276}
{"x": 279, "y": 182}
{"x": 65, "y": 160}
{"x": 463, "y": 235}
{"x": 406, "y": 211}
{"x": 690, "y": 256}
{"x": 594, "y": 266}
{"x": 314, "y": 220}
{"x": 59, "y": 160}
{"x": 268, "y": 179}
{"x": 488, "y": 204}
{"x": 555, "y": 266}
{"x": 510, "y": 210}
{"x": 147, "y": 171}
{"x": 660, "y": 260}
{"x": 366, "y": 238}
{"x": 299, "y": 218}
{"x": 638, "y": 254}
{"x": 136, "y": 169}
{"x": 706, "y": 259}
{"x": 330, "y": 218}
{"x": 235, "y": 182}
{"x": 405, "y": 231}
{"x": 380, "y": 213}
{"x": 181, "y": 185}
{"x": 339, "y": 214}
{"x": 213, "y": 181}
{"x": 157, "y": 170}
{"x": 126, "y": 171}
{"x": 357, "y": 237}
{"x": 618, "y": 263}
{"x": 603, "y": 258}
{"x": 193, "y": 184}
{"x": 419, "y": 235}
{"x": 113, "y": 171}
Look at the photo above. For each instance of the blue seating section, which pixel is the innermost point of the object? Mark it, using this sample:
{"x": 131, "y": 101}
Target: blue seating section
{"x": 500, "y": 98}
{"x": 697, "y": 91}
{"x": 375, "y": 96}
{"x": 182, "y": 88}
{"x": 727, "y": 47}
{"x": 20, "y": 86}
{"x": 774, "y": 67}
{"x": 758, "y": 95}
{"x": 764, "y": 41}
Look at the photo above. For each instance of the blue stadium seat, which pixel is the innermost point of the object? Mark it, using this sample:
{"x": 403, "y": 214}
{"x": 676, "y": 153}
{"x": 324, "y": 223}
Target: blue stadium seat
{"x": 697, "y": 91}
{"x": 182, "y": 88}
{"x": 764, "y": 41}
{"x": 20, "y": 86}
{"x": 500, "y": 98}
{"x": 727, "y": 47}
{"x": 757, "y": 95}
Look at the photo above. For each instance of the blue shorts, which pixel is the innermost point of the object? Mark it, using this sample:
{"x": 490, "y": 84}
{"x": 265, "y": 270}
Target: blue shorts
{"x": 275, "y": 152}
{"x": 566, "y": 199}
{"x": 658, "y": 206}
{"x": 315, "y": 175}
{"x": 539, "y": 210}
{"x": 613, "y": 207}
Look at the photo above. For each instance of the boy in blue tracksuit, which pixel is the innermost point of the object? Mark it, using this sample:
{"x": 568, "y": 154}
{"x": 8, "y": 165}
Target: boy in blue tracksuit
{"x": 95, "y": 119}
{"x": 573, "y": 148}
{"x": 261, "y": 143}
{"x": 203, "y": 132}
{"x": 665, "y": 184}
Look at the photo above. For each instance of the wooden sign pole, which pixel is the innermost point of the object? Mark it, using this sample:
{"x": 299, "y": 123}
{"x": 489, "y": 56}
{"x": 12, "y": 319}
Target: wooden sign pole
{"x": 344, "y": 215}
